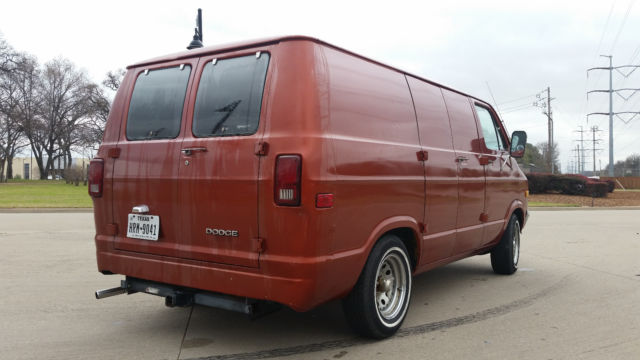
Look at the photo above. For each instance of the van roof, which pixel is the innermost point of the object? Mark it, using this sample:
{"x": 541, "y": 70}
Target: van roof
{"x": 274, "y": 40}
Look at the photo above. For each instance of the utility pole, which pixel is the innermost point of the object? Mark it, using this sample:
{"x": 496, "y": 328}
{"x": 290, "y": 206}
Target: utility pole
{"x": 617, "y": 91}
{"x": 550, "y": 126}
{"x": 542, "y": 103}
{"x": 594, "y": 130}
{"x": 577, "y": 160}
{"x": 581, "y": 164}
{"x": 600, "y": 167}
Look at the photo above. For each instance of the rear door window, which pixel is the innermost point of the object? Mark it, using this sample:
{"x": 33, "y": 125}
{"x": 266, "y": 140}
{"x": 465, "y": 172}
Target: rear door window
{"x": 155, "y": 111}
{"x": 230, "y": 96}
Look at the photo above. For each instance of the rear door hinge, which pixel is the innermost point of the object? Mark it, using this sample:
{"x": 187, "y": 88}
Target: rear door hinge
{"x": 258, "y": 245}
{"x": 112, "y": 229}
{"x": 114, "y": 153}
{"x": 423, "y": 155}
{"x": 484, "y": 217}
{"x": 262, "y": 148}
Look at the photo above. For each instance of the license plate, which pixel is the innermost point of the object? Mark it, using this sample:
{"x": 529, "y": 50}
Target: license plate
{"x": 145, "y": 227}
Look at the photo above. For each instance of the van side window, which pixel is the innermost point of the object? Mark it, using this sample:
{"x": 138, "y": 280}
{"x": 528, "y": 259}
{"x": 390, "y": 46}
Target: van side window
{"x": 230, "y": 96}
{"x": 490, "y": 129}
{"x": 155, "y": 111}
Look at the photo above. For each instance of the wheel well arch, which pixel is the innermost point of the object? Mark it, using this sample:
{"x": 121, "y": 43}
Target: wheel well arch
{"x": 410, "y": 240}
{"x": 517, "y": 208}
{"x": 520, "y": 214}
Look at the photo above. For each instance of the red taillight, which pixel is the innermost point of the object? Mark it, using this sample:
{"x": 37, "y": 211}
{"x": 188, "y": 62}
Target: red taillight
{"x": 287, "y": 180}
{"x": 324, "y": 201}
{"x": 96, "y": 174}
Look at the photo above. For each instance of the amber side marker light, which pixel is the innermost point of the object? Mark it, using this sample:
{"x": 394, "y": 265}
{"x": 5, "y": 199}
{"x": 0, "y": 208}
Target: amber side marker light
{"x": 526, "y": 193}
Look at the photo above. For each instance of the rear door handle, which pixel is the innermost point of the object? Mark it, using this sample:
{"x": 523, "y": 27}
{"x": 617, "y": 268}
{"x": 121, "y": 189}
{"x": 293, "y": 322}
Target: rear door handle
{"x": 189, "y": 151}
{"x": 461, "y": 159}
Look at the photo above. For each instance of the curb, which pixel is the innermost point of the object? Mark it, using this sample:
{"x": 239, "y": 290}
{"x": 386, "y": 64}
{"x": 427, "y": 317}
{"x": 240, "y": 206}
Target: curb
{"x": 44, "y": 210}
{"x": 582, "y": 208}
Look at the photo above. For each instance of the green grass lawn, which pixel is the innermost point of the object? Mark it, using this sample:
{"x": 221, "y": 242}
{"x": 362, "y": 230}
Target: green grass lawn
{"x": 43, "y": 194}
{"x": 548, "y": 204}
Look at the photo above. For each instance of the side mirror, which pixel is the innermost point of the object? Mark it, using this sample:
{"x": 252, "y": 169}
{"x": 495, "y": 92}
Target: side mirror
{"x": 518, "y": 142}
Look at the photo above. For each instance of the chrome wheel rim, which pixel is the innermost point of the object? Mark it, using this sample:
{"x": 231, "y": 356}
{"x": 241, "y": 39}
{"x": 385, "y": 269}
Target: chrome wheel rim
{"x": 392, "y": 287}
{"x": 516, "y": 243}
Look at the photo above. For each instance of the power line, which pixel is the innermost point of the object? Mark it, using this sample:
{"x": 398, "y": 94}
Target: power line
{"x": 624, "y": 21}
{"x": 604, "y": 31}
{"x": 494, "y": 99}
{"x": 518, "y": 99}
{"x": 517, "y": 108}
{"x": 595, "y": 55}
{"x": 634, "y": 55}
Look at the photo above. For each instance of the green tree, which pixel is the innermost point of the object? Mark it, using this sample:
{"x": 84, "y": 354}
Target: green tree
{"x": 533, "y": 160}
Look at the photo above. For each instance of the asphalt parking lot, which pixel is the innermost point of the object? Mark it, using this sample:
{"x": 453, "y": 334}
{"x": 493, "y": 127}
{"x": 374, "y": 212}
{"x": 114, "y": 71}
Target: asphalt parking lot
{"x": 575, "y": 296}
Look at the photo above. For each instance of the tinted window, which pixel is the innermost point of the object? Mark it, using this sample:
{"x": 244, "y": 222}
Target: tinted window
{"x": 230, "y": 96}
{"x": 490, "y": 130}
{"x": 156, "y": 104}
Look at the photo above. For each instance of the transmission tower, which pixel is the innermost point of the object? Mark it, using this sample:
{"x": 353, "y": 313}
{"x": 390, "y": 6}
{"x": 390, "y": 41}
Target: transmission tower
{"x": 630, "y": 115}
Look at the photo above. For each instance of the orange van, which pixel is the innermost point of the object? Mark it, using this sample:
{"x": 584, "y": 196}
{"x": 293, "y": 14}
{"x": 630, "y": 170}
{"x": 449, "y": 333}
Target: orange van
{"x": 288, "y": 171}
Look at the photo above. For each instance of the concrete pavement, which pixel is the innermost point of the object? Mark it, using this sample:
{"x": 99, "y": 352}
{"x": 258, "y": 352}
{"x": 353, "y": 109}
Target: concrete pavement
{"x": 575, "y": 295}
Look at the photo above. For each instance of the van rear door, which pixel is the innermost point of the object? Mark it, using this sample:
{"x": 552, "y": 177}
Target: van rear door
{"x": 218, "y": 170}
{"x": 145, "y": 173}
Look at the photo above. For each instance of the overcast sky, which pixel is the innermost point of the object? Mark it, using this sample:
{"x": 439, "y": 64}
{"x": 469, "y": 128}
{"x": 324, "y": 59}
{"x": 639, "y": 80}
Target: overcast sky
{"x": 514, "y": 48}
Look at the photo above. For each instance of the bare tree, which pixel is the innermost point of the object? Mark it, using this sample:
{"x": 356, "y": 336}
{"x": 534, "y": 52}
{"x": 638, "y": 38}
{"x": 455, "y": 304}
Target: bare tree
{"x": 7, "y": 56}
{"x": 91, "y": 129}
{"x": 19, "y": 103}
{"x": 549, "y": 157}
{"x": 6, "y": 53}
{"x": 11, "y": 136}
{"x": 26, "y": 77}
{"x": 54, "y": 108}
{"x": 627, "y": 167}
{"x": 113, "y": 79}
{"x": 64, "y": 92}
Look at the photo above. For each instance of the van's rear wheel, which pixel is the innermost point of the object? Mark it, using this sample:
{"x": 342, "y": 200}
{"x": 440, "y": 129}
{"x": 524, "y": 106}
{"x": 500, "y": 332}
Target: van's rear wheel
{"x": 505, "y": 256}
{"x": 377, "y": 305}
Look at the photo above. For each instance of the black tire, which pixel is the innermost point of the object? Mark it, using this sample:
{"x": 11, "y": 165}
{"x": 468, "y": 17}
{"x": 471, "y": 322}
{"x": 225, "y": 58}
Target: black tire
{"x": 377, "y": 305}
{"x": 505, "y": 256}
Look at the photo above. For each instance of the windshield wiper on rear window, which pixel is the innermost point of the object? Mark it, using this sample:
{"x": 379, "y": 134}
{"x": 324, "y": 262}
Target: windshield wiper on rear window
{"x": 228, "y": 109}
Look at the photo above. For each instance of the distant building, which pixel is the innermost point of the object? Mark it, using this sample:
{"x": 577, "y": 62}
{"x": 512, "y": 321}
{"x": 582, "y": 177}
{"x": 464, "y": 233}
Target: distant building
{"x": 27, "y": 168}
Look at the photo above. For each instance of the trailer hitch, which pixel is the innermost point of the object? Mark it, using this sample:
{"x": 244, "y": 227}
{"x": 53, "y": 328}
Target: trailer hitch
{"x": 181, "y": 297}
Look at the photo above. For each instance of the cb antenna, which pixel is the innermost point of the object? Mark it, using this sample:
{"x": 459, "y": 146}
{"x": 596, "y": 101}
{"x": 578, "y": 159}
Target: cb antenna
{"x": 197, "y": 37}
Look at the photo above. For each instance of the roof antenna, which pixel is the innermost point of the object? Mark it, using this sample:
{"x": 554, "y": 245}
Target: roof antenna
{"x": 197, "y": 37}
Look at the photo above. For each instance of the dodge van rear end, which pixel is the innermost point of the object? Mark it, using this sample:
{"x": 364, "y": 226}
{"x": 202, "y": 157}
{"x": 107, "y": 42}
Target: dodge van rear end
{"x": 288, "y": 171}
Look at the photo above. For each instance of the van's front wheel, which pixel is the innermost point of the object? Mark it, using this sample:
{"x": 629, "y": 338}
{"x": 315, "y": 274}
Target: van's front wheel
{"x": 505, "y": 256}
{"x": 377, "y": 305}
